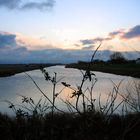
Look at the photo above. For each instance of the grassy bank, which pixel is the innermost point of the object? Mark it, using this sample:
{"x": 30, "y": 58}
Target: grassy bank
{"x": 119, "y": 69}
{"x": 87, "y": 126}
{"x": 11, "y": 69}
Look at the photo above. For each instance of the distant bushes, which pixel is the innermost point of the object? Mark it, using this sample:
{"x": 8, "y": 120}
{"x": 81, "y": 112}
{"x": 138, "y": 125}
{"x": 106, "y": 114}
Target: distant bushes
{"x": 117, "y": 57}
{"x": 114, "y": 58}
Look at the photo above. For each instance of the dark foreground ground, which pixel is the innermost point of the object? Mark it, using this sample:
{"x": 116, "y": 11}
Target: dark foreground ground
{"x": 119, "y": 69}
{"x": 88, "y": 126}
{"x": 11, "y": 69}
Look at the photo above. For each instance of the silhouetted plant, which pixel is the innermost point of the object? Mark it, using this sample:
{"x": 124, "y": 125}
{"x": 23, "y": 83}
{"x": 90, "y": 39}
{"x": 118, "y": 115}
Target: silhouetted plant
{"x": 28, "y": 107}
{"x": 132, "y": 97}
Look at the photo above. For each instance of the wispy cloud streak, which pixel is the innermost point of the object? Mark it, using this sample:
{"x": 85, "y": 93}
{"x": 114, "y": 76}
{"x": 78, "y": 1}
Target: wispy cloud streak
{"x": 26, "y": 5}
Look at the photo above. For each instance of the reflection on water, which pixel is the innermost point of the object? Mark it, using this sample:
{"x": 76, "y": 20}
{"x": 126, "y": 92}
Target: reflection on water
{"x": 20, "y": 84}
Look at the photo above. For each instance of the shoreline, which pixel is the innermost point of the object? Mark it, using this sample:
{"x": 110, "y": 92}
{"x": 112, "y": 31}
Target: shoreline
{"x": 12, "y": 69}
{"x": 124, "y": 70}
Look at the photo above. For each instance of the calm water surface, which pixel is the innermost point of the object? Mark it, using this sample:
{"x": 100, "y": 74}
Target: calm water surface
{"x": 20, "y": 84}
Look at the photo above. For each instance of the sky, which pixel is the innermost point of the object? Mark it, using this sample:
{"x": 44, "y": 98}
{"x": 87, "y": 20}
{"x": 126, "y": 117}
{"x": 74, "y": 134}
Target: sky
{"x": 55, "y": 31}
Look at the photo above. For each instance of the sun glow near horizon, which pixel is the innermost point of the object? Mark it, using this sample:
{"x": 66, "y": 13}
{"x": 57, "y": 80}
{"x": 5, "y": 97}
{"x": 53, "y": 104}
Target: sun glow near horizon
{"x": 34, "y": 43}
{"x": 36, "y": 28}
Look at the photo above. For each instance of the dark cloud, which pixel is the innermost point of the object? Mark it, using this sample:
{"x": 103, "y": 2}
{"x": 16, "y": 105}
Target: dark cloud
{"x": 23, "y": 4}
{"x": 87, "y": 41}
{"x": 91, "y": 41}
{"x": 100, "y": 39}
{"x": 77, "y": 45}
{"x": 11, "y": 4}
{"x": 115, "y": 33}
{"x": 94, "y": 41}
{"x": 7, "y": 40}
{"x": 39, "y": 5}
{"x": 90, "y": 47}
{"x": 22, "y": 55}
{"x": 132, "y": 33}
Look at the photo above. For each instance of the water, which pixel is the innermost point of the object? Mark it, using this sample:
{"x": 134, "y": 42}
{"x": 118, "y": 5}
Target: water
{"x": 20, "y": 84}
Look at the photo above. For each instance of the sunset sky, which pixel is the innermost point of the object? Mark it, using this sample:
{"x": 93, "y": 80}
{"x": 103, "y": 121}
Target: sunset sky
{"x": 54, "y": 30}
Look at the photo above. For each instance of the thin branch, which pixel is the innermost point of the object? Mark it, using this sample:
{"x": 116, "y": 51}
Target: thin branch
{"x": 42, "y": 92}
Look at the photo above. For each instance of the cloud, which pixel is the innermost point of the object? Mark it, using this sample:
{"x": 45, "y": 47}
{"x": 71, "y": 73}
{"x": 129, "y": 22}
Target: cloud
{"x": 7, "y": 40}
{"x": 87, "y": 41}
{"x": 17, "y": 53}
{"x": 30, "y": 4}
{"x": 42, "y": 5}
{"x": 115, "y": 33}
{"x": 32, "y": 42}
{"x": 121, "y": 34}
{"x": 22, "y": 55}
{"x": 11, "y": 51}
{"x": 10, "y": 4}
{"x": 91, "y": 41}
{"x": 94, "y": 41}
{"x": 90, "y": 47}
{"x": 132, "y": 33}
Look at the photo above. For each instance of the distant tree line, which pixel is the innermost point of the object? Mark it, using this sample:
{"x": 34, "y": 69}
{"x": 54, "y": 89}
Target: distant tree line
{"x": 114, "y": 58}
